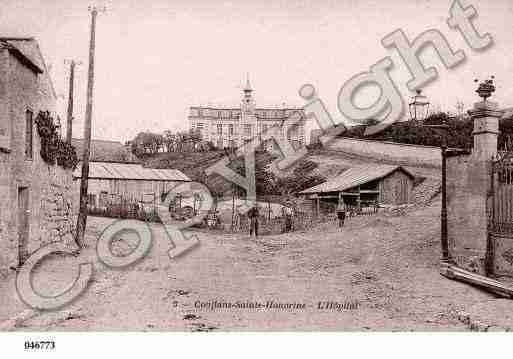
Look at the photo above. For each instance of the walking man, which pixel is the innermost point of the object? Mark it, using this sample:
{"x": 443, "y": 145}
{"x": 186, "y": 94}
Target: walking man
{"x": 341, "y": 212}
{"x": 253, "y": 220}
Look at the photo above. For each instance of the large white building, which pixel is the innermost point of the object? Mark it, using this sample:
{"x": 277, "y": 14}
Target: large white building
{"x": 232, "y": 127}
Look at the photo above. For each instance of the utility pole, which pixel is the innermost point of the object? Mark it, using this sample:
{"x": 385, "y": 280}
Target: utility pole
{"x": 69, "y": 122}
{"x": 82, "y": 215}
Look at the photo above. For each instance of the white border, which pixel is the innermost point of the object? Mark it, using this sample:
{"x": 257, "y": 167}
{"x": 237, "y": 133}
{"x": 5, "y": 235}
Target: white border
{"x": 259, "y": 345}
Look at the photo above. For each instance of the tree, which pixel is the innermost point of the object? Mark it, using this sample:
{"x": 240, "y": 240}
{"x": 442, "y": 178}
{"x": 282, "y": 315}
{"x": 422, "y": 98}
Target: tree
{"x": 301, "y": 178}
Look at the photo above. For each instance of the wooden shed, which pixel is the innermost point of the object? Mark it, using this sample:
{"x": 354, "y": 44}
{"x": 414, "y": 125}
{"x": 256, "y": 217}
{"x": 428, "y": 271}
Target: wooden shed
{"x": 364, "y": 186}
{"x": 110, "y": 181}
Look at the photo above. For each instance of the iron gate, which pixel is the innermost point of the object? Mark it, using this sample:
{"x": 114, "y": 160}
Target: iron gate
{"x": 499, "y": 259}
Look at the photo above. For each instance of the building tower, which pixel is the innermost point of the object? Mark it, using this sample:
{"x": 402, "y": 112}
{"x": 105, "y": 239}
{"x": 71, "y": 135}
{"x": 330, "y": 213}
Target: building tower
{"x": 248, "y": 102}
{"x": 248, "y": 123}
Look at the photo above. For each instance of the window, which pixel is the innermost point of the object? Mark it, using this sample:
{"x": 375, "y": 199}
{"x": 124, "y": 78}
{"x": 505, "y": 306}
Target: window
{"x": 230, "y": 130}
{"x": 28, "y": 134}
{"x": 292, "y": 132}
{"x": 91, "y": 200}
{"x": 219, "y": 129}
{"x": 104, "y": 199}
{"x": 264, "y": 128}
{"x": 219, "y": 144}
{"x": 247, "y": 130}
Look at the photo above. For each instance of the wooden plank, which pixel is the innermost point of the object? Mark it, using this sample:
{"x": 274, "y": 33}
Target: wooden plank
{"x": 456, "y": 273}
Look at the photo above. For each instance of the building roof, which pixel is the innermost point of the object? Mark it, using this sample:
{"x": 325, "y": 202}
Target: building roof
{"x": 355, "y": 176}
{"x": 105, "y": 151}
{"x": 209, "y": 112}
{"x": 27, "y": 51}
{"x": 130, "y": 171}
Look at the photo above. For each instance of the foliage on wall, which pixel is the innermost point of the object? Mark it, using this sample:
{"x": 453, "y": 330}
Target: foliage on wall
{"x": 53, "y": 148}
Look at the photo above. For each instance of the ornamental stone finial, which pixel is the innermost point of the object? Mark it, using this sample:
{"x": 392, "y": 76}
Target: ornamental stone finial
{"x": 485, "y": 88}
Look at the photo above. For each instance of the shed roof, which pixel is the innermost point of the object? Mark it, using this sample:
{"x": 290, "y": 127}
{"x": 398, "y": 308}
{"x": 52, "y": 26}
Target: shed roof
{"x": 130, "y": 171}
{"x": 355, "y": 176}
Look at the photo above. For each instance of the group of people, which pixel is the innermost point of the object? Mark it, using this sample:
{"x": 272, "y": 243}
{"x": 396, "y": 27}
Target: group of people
{"x": 288, "y": 214}
{"x": 253, "y": 216}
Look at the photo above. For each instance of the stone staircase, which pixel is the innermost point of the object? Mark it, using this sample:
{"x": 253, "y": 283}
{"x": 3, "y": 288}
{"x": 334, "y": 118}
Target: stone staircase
{"x": 425, "y": 192}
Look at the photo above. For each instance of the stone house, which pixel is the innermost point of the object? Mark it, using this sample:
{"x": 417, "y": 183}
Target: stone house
{"x": 37, "y": 199}
{"x": 364, "y": 186}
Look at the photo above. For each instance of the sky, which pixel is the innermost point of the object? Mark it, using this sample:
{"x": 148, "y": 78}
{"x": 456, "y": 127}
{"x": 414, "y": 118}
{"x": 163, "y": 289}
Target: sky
{"x": 155, "y": 58}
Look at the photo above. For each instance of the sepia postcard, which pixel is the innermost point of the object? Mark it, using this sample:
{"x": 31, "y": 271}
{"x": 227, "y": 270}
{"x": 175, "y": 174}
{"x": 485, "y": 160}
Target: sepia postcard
{"x": 255, "y": 166}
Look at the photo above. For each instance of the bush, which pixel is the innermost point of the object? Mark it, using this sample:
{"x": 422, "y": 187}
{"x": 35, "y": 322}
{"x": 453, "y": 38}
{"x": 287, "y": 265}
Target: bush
{"x": 53, "y": 148}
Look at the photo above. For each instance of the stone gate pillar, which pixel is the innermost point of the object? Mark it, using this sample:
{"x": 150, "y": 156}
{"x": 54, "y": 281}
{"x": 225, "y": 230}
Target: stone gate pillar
{"x": 469, "y": 182}
{"x": 486, "y": 129}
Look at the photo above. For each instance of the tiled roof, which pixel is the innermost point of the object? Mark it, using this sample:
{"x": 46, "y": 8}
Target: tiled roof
{"x": 355, "y": 176}
{"x": 130, "y": 171}
{"x": 31, "y": 55}
{"x": 26, "y": 50}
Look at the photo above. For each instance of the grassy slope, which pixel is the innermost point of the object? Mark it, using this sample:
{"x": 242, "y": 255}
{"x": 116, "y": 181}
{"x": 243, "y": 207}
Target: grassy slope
{"x": 194, "y": 164}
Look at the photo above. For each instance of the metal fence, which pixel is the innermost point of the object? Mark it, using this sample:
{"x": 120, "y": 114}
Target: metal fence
{"x": 300, "y": 221}
{"x": 366, "y": 210}
{"x": 143, "y": 208}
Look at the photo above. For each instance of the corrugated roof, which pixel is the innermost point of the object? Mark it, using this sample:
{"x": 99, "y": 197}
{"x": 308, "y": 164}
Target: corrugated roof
{"x": 130, "y": 171}
{"x": 353, "y": 177}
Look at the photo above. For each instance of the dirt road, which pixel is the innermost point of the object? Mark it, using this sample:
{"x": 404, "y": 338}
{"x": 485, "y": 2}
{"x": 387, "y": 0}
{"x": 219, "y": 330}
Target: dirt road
{"x": 377, "y": 273}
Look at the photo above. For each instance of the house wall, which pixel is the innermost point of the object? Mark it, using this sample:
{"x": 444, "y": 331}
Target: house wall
{"x": 396, "y": 188}
{"x": 51, "y": 200}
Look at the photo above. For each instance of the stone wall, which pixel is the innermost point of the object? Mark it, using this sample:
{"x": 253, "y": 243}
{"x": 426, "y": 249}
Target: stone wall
{"x": 58, "y": 208}
{"x": 468, "y": 182}
{"x": 52, "y": 197}
{"x": 403, "y": 154}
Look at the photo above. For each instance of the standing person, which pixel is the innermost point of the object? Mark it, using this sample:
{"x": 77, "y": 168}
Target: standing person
{"x": 253, "y": 220}
{"x": 287, "y": 213}
{"x": 341, "y": 212}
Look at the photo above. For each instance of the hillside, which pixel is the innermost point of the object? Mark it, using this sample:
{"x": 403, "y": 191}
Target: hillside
{"x": 194, "y": 165}
{"x": 317, "y": 166}
{"x": 459, "y": 134}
